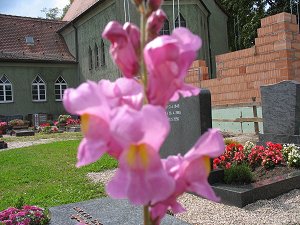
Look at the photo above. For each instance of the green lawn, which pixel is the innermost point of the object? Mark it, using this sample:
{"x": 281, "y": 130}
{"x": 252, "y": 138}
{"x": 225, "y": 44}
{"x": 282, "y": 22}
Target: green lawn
{"x": 45, "y": 175}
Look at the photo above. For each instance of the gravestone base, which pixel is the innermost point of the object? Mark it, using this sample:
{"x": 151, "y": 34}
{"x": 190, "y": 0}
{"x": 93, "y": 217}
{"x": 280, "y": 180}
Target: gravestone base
{"x": 22, "y": 133}
{"x": 3, "y": 144}
{"x": 103, "y": 211}
{"x": 73, "y": 129}
{"x": 278, "y": 138}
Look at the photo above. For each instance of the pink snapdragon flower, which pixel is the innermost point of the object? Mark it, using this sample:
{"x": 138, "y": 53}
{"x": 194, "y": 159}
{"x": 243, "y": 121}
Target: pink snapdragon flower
{"x": 140, "y": 169}
{"x": 155, "y": 4}
{"x": 123, "y": 91}
{"x": 168, "y": 59}
{"x": 125, "y": 45}
{"x": 190, "y": 172}
{"x": 95, "y": 103}
{"x": 155, "y": 23}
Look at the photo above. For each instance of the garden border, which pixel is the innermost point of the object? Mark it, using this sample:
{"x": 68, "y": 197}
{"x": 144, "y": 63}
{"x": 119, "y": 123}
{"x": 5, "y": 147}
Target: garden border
{"x": 242, "y": 195}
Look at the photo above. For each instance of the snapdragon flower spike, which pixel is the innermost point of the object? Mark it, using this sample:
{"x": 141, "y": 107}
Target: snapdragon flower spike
{"x": 140, "y": 169}
{"x": 155, "y": 23}
{"x": 168, "y": 59}
{"x": 190, "y": 172}
{"x": 125, "y": 44}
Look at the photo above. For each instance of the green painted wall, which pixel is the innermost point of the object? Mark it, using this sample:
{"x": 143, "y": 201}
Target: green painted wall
{"x": 91, "y": 25}
{"x": 234, "y": 113}
{"x": 21, "y": 76}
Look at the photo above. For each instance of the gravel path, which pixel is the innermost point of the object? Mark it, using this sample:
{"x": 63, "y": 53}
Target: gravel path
{"x": 21, "y": 144}
{"x": 284, "y": 209}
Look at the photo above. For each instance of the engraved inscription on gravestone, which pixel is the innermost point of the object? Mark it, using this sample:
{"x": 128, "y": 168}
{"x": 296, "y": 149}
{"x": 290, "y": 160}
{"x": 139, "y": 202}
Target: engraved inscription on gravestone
{"x": 174, "y": 112}
{"x": 84, "y": 217}
{"x": 190, "y": 118}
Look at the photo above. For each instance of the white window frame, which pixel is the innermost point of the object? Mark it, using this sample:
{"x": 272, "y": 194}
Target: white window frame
{"x": 39, "y": 84}
{"x": 59, "y": 84}
{"x": 4, "y": 85}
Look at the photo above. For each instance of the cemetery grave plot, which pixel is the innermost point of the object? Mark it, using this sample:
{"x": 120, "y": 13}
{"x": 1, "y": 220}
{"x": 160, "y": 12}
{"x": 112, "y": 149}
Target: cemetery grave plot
{"x": 103, "y": 211}
{"x": 242, "y": 195}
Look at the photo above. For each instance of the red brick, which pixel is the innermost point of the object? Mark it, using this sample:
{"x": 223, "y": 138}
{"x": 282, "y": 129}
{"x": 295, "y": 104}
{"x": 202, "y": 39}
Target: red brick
{"x": 281, "y": 45}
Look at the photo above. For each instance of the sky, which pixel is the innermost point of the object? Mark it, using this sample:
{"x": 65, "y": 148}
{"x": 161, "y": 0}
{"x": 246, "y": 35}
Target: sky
{"x": 29, "y": 8}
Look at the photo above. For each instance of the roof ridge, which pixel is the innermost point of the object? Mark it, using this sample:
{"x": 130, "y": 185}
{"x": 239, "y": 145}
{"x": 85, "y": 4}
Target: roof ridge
{"x": 32, "y": 18}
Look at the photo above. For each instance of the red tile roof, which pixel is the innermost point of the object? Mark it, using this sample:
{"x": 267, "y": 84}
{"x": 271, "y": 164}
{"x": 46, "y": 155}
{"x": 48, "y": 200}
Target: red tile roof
{"x": 77, "y": 8}
{"x": 48, "y": 44}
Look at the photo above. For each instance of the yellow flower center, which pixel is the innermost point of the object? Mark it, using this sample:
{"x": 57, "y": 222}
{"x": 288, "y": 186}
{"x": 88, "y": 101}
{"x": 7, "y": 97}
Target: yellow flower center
{"x": 85, "y": 118}
{"x": 137, "y": 156}
{"x": 206, "y": 160}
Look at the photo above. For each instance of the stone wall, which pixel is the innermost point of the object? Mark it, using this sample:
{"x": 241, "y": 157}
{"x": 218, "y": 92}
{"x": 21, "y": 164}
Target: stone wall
{"x": 274, "y": 57}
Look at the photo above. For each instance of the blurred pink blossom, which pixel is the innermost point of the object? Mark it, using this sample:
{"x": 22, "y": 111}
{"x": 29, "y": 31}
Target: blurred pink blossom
{"x": 168, "y": 59}
{"x": 125, "y": 44}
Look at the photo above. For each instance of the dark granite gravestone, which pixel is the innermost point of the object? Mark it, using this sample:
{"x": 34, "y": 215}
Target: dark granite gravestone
{"x": 281, "y": 112}
{"x": 3, "y": 144}
{"x": 103, "y": 211}
{"x": 21, "y": 133}
{"x": 190, "y": 118}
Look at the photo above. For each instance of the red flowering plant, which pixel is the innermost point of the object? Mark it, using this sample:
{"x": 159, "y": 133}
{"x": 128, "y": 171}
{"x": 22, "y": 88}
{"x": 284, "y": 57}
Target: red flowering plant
{"x": 72, "y": 122}
{"x": 272, "y": 155}
{"x": 234, "y": 153}
{"x": 3, "y": 126}
{"x": 47, "y": 128}
{"x": 27, "y": 215}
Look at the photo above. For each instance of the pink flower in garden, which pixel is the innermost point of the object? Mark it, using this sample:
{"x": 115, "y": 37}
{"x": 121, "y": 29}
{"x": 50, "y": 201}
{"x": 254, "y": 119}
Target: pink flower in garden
{"x": 125, "y": 44}
{"x": 155, "y": 22}
{"x": 154, "y": 4}
{"x": 168, "y": 59}
{"x": 95, "y": 104}
{"x": 140, "y": 167}
{"x": 123, "y": 91}
{"x": 88, "y": 102}
{"x": 190, "y": 172}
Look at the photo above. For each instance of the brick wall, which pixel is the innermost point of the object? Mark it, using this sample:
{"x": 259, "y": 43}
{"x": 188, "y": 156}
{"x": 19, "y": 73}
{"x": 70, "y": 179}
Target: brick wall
{"x": 274, "y": 57}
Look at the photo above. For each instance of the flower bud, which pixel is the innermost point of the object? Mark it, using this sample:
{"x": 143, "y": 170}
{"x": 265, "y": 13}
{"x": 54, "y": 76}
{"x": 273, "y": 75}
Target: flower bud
{"x": 154, "y": 4}
{"x": 155, "y": 22}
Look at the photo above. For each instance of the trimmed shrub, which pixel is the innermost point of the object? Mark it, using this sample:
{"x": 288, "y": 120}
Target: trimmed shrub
{"x": 238, "y": 174}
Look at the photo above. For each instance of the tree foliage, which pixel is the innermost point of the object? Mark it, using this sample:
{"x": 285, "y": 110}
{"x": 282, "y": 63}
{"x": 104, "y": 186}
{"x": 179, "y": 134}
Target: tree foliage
{"x": 56, "y": 13}
{"x": 244, "y": 18}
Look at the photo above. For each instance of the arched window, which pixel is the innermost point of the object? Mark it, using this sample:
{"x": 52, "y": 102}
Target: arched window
{"x": 180, "y": 21}
{"x": 166, "y": 28}
{"x": 102, "y": 53}
{"x": 59, "y": 88}
{"x": 6, "y": 94}
{"x": 90, "y": 58}
{"x": 38, "y": 90}
{"x": 96, "y": 50}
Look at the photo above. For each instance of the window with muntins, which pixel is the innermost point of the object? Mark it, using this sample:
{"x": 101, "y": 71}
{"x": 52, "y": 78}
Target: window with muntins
{"x": 59, "y": 88}
{"x": 6, "y": 92}
{"x": 102, "y": 53}
{"x": 38, "y": 90}
{"x": 96, "y": 56}
{"x": 166, "y": 28}
{"x": 180, "y": 21}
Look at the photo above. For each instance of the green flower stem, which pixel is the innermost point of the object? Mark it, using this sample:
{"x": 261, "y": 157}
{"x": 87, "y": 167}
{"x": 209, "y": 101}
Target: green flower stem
{"x": 143, "y": 43}
{"x": 146, "y": 215}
